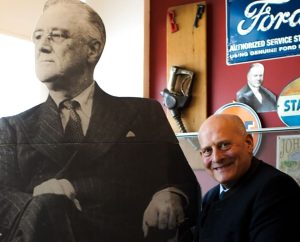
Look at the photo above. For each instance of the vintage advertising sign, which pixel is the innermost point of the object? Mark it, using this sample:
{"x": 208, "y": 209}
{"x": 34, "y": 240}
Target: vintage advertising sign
{"x": 288, "y": 155}
{"x": 288, "y": 104}
{"x": 249, "y": 117}
{"x": 262, "y": 29}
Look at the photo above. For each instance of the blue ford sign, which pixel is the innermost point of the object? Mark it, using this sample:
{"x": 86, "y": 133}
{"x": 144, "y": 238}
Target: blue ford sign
{"x": 262, "y": 29}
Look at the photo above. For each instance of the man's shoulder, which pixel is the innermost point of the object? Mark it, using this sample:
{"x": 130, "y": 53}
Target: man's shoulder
{"x": 211, "y": 193}
{"x": 143, "y": 107}
{"x": 26, "y": 113}
{"x": 134, "y": 104}
{"x": 138, "y": 100}
{"x": 29, "y": 116}
{"x": 266, "y": 175}
{"x": 101, "y": 96}
{"x": 142, "y": 102}
{"x": 267, "y": 93}
{"x": 244, "y": 91}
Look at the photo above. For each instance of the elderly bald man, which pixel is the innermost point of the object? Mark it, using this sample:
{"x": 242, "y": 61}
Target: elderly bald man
{"x": 254, "y": 202}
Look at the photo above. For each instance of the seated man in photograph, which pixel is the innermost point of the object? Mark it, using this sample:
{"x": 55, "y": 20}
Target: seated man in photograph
{"x": 86, "y": 166}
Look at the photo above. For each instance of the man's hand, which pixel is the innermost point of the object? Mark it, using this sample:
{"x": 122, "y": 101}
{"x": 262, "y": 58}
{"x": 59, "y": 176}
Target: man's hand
{"x": 59, "y": 187}
{"x": 165, "y": 211}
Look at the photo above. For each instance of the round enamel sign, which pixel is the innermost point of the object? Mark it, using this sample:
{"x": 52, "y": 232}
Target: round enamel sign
{"x": 288, "y": 104}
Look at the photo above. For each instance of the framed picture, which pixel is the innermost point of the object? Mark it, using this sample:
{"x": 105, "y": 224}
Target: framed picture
{"x": 288, "y": 155}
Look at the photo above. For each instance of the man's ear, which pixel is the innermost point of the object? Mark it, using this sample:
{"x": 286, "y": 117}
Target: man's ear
{"x": 95, "y": 50}
{"x": 250, "y": 142}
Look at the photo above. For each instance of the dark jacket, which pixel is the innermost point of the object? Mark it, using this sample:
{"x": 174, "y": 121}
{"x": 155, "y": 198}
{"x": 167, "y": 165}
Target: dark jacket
{"x": 129, "y": 153}
{"x": 246, "y": 95}
{"x": 262, "y": 207}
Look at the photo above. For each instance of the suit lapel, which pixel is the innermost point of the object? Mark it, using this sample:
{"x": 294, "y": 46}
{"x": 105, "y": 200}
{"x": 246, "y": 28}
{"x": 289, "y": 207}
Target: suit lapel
{"x": 108, "y": 123}
{"x": 44, "y": 130}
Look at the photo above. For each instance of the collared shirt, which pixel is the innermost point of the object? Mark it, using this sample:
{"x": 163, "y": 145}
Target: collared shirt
{"x": 85, "y": 100}
{"x": 223, "y": 189}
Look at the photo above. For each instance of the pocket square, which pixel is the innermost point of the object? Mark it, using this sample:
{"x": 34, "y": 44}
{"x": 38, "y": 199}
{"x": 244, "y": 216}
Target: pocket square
{"x": 130, "y": 134}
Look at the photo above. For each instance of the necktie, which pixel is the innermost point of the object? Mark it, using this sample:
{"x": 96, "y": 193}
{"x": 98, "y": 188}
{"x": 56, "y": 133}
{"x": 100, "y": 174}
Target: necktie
{"x": 73, "y": 130}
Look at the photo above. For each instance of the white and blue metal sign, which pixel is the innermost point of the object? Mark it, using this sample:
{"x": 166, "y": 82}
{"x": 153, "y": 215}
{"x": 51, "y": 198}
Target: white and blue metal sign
{"x": 262, "y": 29}
{"x": 288, "y": 104}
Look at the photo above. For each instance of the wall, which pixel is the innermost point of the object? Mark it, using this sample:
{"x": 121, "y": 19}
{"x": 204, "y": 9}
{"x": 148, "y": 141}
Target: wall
{"x": 121, "y": 68}
{"x": 223, "y": 81}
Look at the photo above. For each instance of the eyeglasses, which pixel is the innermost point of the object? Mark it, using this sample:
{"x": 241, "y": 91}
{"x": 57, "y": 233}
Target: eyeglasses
{"x": 55, "y": 36}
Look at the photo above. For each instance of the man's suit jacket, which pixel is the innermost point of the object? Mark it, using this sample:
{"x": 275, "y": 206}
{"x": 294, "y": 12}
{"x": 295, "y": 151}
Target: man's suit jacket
{"x": 261, "y": 207}
{"x": 246, "y": 95}
{"x": 128, "y": 154}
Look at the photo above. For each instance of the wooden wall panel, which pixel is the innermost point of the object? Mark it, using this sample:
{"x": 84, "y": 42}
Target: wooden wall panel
{"x": 187, "y": 48}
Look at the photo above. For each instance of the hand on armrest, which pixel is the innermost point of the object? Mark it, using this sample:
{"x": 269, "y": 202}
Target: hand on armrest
{"x": 165, "y": 210}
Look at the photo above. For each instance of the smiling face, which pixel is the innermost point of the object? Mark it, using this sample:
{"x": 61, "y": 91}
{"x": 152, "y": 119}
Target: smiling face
{"x": 226, "y": 148}
{"x": 61, "y": 55}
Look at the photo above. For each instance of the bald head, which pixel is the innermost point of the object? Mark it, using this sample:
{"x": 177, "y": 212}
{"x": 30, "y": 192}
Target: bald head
{"x": 223, "y": 121}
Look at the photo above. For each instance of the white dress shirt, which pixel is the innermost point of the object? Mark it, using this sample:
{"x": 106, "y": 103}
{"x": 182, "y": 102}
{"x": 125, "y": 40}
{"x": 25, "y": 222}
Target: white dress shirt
{"x": 256, "y": 93}
{"x": 85, "y": 99}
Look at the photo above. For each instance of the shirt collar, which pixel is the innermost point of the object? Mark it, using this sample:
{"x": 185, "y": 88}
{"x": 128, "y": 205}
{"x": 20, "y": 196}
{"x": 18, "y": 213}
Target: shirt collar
{"x": 254, "y": 89}
{"x": 223, "y": 189}
{"x": 82, "y": 98}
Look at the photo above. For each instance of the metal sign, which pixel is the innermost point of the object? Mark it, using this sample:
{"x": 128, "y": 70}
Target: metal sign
{"x": 262, "y": 29}
{"x": 249, "y": 117}
{"x": 288, "y": 155}
{"x": 288, "y": 104}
